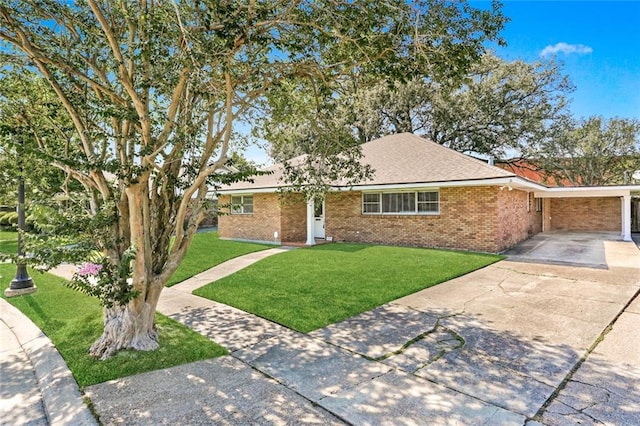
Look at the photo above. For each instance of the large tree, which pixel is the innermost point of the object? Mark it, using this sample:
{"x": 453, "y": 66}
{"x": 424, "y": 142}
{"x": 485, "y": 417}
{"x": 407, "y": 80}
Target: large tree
{"x": 153, "y": 89}
{"x": 492, "y": 107}
{"x": 503, "y": 109}
{"x": 329, "y": 120}
{"x": 593, "y": 151}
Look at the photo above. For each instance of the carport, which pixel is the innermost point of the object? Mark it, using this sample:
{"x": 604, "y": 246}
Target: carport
{"x": 589, "y": 209}
{"x": 586, "y": 249}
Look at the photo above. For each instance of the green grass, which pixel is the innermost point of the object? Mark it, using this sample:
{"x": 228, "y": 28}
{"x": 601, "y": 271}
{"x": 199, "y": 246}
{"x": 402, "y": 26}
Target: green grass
{"x": 207, "y": 251}
{"x": 310, "y": 288}
{"x": 73, "y": 322}
{"x": 8, "y": 242}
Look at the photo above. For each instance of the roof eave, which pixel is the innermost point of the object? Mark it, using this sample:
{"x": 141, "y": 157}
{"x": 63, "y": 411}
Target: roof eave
{"x": 507, "y": 181}
{"x": 588, "y": 191}
{"x": 514, "y": 182}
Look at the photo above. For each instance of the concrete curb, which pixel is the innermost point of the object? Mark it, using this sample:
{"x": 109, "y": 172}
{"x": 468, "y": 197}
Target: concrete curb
{"x": 63, "y": 403}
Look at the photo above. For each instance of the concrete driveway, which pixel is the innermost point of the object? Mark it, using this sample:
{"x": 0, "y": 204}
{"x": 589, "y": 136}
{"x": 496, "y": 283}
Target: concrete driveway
{"x": 531, "y": 339}
{"x": 567, "y": 248}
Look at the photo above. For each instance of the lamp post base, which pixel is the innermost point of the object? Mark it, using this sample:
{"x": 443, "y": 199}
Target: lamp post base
{"x": 21, "y": 284}
{"x": 10, "y": 292}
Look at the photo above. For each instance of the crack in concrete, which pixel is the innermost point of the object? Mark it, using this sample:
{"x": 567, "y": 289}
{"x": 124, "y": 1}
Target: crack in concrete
{"x": 568, "y": 378}
{"x": 580, "y": 411}
{"x": 606, "y": 391}
{"x": 473, "y": 299}
{"x": 444, "y": 351}
{"x": 537, "y": 274}
{"x": 422, "y": 336}
{"x": 288, "y": 386}
{"x": 356, "y": 384}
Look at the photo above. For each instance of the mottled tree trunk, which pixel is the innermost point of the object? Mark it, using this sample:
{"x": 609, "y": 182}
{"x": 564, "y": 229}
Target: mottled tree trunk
{"x": 132, "y": 326}
{"x": 124, "y": 328}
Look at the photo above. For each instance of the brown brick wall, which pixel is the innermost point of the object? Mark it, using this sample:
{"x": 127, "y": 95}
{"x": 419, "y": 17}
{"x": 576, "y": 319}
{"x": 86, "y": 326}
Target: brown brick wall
{"x": 585, "y": 214}
{"x": 293, "y": 222}
{"x": 467, "y": 220}
{"x": 535, "y": 218}
{"x": 517, "y": 217}
{"x": 259, "y": 226}
{"x": 479, "y": 219}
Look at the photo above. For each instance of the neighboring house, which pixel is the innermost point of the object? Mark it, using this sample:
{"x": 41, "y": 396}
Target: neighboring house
{"x": 422, "y": 194}
{"x": 529, "y": 170}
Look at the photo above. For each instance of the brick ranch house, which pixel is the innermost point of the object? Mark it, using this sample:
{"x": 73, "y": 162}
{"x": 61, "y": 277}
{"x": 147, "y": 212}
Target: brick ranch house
{"x": 423, "y": 194}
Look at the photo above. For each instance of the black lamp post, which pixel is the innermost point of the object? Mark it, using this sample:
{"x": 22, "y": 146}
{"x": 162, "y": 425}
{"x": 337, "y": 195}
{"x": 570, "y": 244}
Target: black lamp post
{"x": 22, "y": 283}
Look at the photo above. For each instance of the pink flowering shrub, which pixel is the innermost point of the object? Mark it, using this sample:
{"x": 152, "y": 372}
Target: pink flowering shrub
{"x": 111, "y": 284}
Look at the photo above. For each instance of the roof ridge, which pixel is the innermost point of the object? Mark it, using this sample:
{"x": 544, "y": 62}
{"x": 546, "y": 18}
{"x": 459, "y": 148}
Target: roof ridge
{"x": 447, "y": 150}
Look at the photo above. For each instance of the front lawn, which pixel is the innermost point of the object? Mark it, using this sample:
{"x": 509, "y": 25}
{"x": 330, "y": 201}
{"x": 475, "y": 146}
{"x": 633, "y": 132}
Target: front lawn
{"x": 73, "y": 322}
{"x": 207, "y": 251}
{"x": 8, "y": 242}
{"x": 310, "y": 288}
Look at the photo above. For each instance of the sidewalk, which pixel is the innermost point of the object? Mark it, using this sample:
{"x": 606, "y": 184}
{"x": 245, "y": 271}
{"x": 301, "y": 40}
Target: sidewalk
{"x": 490, "y": 347}
{"x": 36, "y": 387}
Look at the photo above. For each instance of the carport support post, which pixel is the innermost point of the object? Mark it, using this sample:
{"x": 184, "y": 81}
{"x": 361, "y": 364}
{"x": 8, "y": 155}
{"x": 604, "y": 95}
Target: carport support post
{"x": 626, "y": 217}
{"x": 310, "y": 222}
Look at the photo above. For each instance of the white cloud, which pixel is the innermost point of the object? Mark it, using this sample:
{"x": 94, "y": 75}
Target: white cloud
{"x": 566, "y": 49}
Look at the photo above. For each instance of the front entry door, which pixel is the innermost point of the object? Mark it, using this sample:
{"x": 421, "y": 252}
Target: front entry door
{"x": 318, "y": 230}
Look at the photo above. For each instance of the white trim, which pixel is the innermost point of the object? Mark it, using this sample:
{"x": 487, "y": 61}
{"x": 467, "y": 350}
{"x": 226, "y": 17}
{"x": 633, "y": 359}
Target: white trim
{"x": 247, "y": 191}
{"x": 626, "y": 218}
{"x": 413, "y": 191}
{"x": 540, "y": 191}
{"x": 512, "y": 182}
{"x": 241, "y": 204}
{"x": 311, "y": 217}
{"x": 586, "y": 191}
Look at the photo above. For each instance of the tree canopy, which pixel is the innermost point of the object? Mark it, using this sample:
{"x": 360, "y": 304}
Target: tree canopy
{"x": 26, "y": 102}
{"x": 593, "y": 151}
{"x": 497, "y": 108}
{"x": 151, "y": 91}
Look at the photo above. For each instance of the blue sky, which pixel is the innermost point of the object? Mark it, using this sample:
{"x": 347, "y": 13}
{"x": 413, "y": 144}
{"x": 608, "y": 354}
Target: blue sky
{"x": 598, "y": 43}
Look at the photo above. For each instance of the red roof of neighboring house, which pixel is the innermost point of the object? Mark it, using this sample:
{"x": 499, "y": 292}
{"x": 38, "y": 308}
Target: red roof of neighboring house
{"x": 531, "y": 171}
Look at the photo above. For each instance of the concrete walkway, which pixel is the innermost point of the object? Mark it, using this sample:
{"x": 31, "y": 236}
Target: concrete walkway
{"x": 513, "y": 343}
{"x": 225, "y": 269}
{"x": 36, "y": 386}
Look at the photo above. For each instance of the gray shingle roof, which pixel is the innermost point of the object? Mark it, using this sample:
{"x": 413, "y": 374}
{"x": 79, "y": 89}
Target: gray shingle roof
{"x": 401, "y": 159}
{"x": 407, "y": 158}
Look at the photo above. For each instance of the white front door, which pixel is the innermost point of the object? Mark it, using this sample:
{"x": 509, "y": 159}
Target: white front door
{"x": 318, "y": 229}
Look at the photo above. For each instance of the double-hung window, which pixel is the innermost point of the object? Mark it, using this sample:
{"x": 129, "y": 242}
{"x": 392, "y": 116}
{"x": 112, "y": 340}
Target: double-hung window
{"x": 241, "y": 204}
{"x": 415, "y": 202}
{"x": 428, "y": 202}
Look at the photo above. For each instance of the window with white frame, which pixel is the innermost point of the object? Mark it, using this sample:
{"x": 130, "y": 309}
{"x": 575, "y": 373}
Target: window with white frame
{"x": 241, "y": 204}
{"x": 416, "y": 202}
{"x": 371, "y": 203}
{"x": 538, "y": 204}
